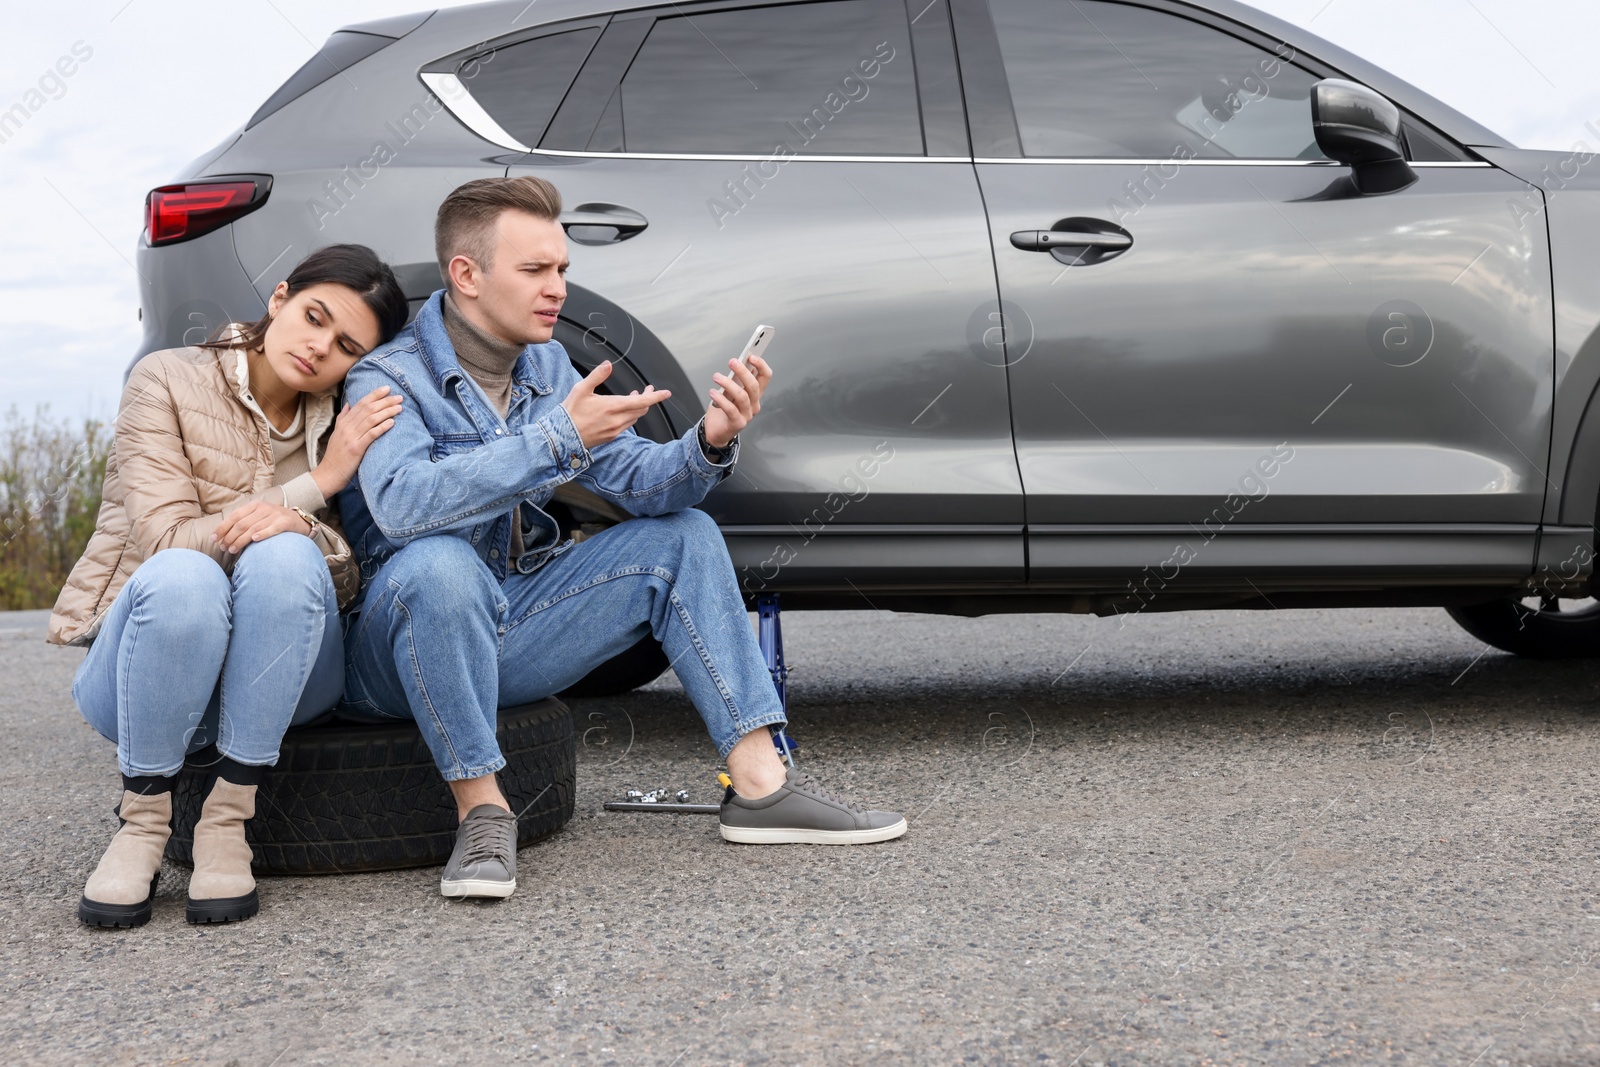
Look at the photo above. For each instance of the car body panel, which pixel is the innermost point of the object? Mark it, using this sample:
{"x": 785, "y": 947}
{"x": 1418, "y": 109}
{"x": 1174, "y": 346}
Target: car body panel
{"x": 872, "y": 305}
{"x": 1145, "y": 388}
{"x": 1564, "y": 197}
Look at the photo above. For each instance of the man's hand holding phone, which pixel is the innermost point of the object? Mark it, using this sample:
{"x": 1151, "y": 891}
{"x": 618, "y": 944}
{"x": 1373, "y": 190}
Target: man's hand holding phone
{"x": 737, "y": 399}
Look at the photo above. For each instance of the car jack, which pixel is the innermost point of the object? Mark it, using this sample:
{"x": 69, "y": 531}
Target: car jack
{"x": 769, "y": 634}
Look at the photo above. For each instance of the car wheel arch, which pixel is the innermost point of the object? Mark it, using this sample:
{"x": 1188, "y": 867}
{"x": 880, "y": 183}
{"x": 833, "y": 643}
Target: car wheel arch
{"x": 1579, "y": 477}
{"x": 593, "y": 329}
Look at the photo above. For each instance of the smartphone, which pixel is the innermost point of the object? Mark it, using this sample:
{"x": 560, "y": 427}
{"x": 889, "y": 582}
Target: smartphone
{"x": 757, "y": 345}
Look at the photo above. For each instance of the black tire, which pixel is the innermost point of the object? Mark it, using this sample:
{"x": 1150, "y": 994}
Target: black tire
{"x": 363, "y": 797}
{"x": 1544, "y": 632}
{"x": 622, "y": 673}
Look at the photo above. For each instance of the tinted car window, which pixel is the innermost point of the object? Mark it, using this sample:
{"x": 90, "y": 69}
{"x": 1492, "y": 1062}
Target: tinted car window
{"x": 1096, "y": 79}
{"x": 521, "y": 85}
{"x": 339, "y": 53}
{"x": 824, "y": 79}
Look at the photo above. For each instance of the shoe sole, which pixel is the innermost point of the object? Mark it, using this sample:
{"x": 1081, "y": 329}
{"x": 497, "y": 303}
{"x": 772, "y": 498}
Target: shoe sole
{"x": 475, "y": 887}
{"x": 117, "y": 916}
{"x": 223, "y": 909}
{"x": 761, "y": 835}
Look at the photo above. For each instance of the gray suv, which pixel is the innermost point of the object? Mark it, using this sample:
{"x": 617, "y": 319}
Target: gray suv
{"x": 1081, "y": 305}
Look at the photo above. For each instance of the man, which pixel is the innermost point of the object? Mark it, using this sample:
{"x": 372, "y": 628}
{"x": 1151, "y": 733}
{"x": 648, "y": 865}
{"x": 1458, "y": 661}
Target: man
{"x": 477, "y": 594}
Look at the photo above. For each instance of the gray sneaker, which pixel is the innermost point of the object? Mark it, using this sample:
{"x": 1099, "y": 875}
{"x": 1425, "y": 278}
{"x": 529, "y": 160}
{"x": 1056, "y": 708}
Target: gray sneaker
{"x": 484, "y": 863}
{"x": 802, "y": 811}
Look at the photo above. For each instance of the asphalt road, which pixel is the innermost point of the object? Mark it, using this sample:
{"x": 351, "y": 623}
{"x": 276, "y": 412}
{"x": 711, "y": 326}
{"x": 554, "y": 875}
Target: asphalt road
{"x": 1227, "y": 837}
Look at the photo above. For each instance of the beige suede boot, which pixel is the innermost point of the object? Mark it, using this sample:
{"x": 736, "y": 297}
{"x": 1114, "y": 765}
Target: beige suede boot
{"x": 121, "y": 888}
{"x": 223, "y": 889}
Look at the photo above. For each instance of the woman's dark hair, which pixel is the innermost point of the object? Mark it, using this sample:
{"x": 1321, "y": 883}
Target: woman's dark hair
{"x": 355, "y": 267}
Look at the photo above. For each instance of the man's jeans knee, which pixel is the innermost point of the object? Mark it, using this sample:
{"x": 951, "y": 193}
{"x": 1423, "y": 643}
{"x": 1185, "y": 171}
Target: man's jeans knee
{"x": 440, "y": 641}
{"x": 425, "y": 646}
{"x": 669, "y": 576}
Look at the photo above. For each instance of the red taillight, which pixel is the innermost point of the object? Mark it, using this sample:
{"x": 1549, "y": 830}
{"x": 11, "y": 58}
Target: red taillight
{"x": 179, "y": 212}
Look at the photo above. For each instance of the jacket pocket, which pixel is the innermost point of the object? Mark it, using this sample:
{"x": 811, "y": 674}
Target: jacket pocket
{"x": 449, "y": 444}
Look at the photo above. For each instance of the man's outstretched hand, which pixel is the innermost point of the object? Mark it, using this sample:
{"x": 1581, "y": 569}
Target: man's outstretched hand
{"x": 598, "y": 417}
{"x": 737, "y": 401}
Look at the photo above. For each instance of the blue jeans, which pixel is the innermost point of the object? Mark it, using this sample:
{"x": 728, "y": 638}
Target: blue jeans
{"x": 188, "y": 656}
{"x": 441, "y": 641}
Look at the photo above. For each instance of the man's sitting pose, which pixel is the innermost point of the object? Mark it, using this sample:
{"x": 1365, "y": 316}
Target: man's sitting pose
{"x": 478, "y": 596}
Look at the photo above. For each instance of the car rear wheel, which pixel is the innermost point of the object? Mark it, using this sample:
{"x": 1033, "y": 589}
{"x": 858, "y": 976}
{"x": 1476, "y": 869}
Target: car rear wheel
{"x": 623, "y": 673}
{"x": 1539, "y": 627}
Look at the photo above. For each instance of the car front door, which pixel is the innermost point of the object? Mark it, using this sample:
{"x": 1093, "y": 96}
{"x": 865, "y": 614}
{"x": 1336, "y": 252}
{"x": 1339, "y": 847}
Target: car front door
{"x": 1210, "y": 332}
{"x": 803, "y": 165}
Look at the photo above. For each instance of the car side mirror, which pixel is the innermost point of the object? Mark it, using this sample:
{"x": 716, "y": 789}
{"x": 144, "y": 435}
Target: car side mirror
{"x": 1361, "y": 128}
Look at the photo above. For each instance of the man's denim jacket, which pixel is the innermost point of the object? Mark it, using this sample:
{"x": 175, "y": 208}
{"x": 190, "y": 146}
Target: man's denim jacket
{"x": 452, "y": 465}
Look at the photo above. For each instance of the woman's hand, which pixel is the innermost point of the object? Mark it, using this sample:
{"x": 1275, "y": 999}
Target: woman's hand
{"x": 257, "y": 521}
{"x": 737, "y": 402}
{"x": 356, "y": 428}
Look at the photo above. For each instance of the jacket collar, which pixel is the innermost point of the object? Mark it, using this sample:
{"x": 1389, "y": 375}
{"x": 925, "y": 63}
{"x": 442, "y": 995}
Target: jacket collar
{"x": 234, "y": 363}
{"x": 440, "y": 356}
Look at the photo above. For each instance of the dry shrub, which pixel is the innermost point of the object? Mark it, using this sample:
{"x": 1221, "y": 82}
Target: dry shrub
{"x": 50, "y": 479}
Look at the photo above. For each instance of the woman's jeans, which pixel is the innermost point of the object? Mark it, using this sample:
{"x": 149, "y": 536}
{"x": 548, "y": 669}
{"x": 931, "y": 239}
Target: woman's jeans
{"x": 188, "y": 656}
{"x": 440, "y": 641}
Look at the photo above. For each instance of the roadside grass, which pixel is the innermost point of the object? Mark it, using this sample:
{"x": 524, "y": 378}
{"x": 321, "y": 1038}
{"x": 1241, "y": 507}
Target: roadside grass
{"x": 50, "y": 478}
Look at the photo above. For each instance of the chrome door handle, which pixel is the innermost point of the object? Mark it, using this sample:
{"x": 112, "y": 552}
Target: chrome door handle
{"x": 602, "y": 224}
{"x": 1078, "y": 242}
{"x": 1045, "y": 240}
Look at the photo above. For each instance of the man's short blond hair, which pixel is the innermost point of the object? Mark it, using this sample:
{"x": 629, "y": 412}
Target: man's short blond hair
{"x": 465, "y": 223}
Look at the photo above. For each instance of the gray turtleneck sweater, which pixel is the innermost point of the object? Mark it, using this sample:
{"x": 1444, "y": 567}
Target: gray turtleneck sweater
{"x": 485, "y": 357}
{"x": 489, "y": 361}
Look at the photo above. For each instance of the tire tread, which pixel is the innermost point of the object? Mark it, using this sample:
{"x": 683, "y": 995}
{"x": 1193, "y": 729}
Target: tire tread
{"x": 347, "y": 798}
{"x": 1512, "y": 627}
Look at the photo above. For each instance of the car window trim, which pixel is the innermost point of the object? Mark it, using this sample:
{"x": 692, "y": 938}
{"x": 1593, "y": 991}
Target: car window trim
{"x": 976, "y": 33}
{"x": 747, "y": 158}
{"x": 1178, "y": 161}
{"x": 459, "y": 101}
{"x": 442, "y": 78}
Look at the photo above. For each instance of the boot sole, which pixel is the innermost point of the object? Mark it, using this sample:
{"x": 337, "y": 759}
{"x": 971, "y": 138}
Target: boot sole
{"x": 223, "y": 909}
{"x": 120, "y": 916}
{"x": 786, "y": 835}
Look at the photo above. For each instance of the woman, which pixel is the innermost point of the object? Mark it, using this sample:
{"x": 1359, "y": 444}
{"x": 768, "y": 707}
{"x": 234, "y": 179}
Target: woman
{"x": 210, "y": 591}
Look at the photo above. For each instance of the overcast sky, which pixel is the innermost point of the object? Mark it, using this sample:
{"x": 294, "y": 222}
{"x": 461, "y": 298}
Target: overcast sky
{"x": 164, "y": 80}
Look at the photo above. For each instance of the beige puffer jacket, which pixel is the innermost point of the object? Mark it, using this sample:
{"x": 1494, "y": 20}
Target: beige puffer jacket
{"x": 188, "y": 450}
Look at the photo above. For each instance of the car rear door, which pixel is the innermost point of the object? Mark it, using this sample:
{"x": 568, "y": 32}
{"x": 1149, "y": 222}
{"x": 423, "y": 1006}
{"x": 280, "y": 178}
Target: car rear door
{"x": 804, "y": 165}
{"x": 1341, "y": 384}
